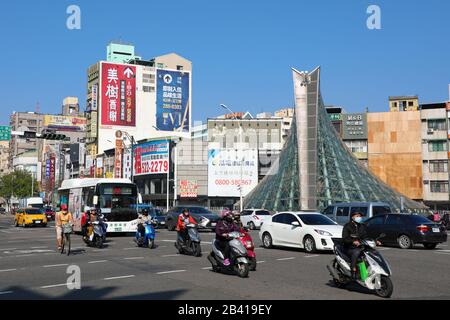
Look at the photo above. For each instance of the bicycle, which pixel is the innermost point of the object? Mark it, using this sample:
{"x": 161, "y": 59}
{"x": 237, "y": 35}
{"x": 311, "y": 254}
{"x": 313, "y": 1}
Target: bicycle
{"x": 65, "y": 240}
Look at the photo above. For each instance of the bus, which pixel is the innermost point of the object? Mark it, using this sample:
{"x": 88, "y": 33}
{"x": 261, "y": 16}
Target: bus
{"x": 117, "y": 198}
{"x": 31, "y": 202}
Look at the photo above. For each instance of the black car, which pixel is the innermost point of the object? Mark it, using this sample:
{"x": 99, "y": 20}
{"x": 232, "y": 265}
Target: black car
{"x": 158, "y": 215}
{"x": 196, "y": 212}
{"x": 2, "y": 210}
{"x": 405, "y": 230}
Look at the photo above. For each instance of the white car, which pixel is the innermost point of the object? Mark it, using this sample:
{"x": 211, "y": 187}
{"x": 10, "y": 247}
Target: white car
{"x": 305, "y": 230}
{"x": 253, "y": 218}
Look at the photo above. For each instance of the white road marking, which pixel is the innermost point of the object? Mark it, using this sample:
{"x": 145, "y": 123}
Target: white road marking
{"x": 133, "y": 258}
{"x": 4, "y": 231}
{"x": 119, "y": 277}
{"x": 260, "y": 262}
{"x": 8, "y": 270}
{"x": 440, "y": 250}
{"x": 168, "y": 241}
{"x": 8, "y": 249}
{"x": 54, "y": 286}
{"x": 283, "y": 259}
{"x": 170, "y": 255}
{"x": 5, "y": 292}
{"x": 98, "y": 261}
{"x": 100, "y": 250}
{"x": 173, "y": 271}
{"x": 207, "y": 268}
{"x": 447, "y": 253}
{"x": 39, "y": 247}
{"x": 56, "y": 265}
{"x": 15, "y": 241}
{"x": 24, "y": 255}
{"x": 134, "y": 248}
{"x": 314, "y": 255}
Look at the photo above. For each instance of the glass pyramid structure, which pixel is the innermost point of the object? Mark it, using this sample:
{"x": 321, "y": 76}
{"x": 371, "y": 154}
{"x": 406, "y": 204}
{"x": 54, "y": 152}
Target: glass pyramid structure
{"x": 315, "y": 168}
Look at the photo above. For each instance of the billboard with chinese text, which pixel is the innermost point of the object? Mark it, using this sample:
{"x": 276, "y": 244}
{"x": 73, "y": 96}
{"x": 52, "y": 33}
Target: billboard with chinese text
{"x": 151, "y": 158}
{"x": 5, "y": 133}
{"x": 173, "y": 101}
{"x": 118, "y": 102}
{"x": 65, "y": 123}
{"x": 224, "y": 172}
{"x": 188, "y": 189}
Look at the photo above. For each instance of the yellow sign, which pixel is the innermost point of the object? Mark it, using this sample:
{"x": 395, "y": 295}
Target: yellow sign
{"x": 65, "y": 123}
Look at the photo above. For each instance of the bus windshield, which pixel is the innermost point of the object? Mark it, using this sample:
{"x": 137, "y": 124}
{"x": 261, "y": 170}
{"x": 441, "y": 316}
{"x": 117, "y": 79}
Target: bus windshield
{"x": 118, "y": 201}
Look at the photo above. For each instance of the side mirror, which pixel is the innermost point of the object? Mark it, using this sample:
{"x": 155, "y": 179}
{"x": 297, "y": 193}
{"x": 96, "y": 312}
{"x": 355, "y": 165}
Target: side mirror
{"x": 140, "y": 198}
{"x": 95, "y": 200}
{"x": 295, "y": 224}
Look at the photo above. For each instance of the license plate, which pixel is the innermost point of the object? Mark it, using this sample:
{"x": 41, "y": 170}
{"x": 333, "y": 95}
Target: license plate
{"x": 162, "y": 222}
{"x": 213, "y": 224}
{"x": 38, "y": 221}
{"x": 436, "y": 230}
{"x": 118, "y": 229}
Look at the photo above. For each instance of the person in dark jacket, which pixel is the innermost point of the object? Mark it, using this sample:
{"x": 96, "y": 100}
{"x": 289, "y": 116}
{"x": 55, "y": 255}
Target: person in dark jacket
{"x": 352, "y": 234}
{"x": 224, "y": 227}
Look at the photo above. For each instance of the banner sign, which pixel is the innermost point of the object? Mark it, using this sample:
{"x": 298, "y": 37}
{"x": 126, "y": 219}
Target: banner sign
{"x": 94, "y": 98}
{"x": 224, "y": 172}
{"x": 5, "y": 133}
{"x": 118, "y": 159}
{"x": 188, "y": 188}
{"x": 172, "y": 101}
{"x": 118, "y": 95}
{"x": 151, "y": 158}
{"x": 65, "y": 123}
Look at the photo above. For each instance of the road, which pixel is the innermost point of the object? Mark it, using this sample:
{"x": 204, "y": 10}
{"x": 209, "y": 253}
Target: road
{"x": 30, "y": 268}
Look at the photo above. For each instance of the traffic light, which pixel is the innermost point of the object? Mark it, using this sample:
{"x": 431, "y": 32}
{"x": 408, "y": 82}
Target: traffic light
{"x": 29, "y": 135}
{"x": 51, "y": 135}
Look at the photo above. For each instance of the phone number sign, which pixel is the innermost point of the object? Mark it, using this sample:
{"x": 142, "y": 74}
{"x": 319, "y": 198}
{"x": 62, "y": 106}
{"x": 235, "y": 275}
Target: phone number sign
{"x": 151, "y": 158}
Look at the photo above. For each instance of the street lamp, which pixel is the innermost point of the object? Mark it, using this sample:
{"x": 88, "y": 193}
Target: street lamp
{"x": 241, "y": 204}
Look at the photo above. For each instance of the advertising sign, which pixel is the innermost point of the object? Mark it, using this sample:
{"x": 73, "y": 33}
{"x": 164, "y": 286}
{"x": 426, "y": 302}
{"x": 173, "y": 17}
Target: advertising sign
{"x": 5, "y": 133}
{"x": 224, "y": 172}
{"x": 172, "y": 101}
{"x": 118, "y": 159}
{"x": 94, "y": 98}
{"x": 65, "y": 123}
{"x": 151, "y": 158}
{"x": 47, "y": 169}
{"x": 188, "y": 188}
{"x": 52, "y": 170}
{"x": 354, "y": 126}
{"x": 118, "y": 95}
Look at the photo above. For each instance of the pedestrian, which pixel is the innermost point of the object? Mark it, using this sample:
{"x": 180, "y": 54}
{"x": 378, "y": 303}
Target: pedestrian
{"x": 63, "y": 217}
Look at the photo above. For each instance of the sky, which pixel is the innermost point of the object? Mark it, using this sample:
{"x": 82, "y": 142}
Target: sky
{"x": 242, "y": 51}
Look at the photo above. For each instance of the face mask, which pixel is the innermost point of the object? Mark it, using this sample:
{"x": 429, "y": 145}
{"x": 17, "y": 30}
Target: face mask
{"x": 358, "y": 219}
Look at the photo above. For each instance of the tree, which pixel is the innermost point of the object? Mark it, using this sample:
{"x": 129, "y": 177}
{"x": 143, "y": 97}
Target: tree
{"x": 15, "y": 184}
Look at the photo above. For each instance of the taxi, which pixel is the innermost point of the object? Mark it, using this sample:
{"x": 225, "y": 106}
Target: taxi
{"x": 26, "y": 217}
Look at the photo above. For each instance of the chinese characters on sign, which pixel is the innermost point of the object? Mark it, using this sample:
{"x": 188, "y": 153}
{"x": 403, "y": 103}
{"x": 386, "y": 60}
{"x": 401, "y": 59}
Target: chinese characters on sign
{"x": 188, "y": 188}
{"x": 5, "y": 133}
{"x": 355, "y": 126}
{"x": 151, "y": 158}
{"x": 118, "y": 95}
{"x": 118, "y": 159}
{"x": 224, "y": 172}
{"x": 172, "y": 101}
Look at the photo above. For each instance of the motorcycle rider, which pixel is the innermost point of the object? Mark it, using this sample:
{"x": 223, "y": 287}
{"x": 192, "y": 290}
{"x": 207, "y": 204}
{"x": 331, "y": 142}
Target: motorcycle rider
{"x": 142, "y": 220}
{"x": 184, "y": 219}
{"x": 237, "y": 218}
{"x": 352, "y": 234}
{"x": 224, "y": 227}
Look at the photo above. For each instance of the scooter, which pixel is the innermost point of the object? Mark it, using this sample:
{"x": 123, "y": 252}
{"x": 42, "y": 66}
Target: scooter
{"x": 239, "y": 263}
{"x": 148, "y": 240}
{"x": 373, "y": 271}
{"x": 96, "y": 234}
{"x": 191, "y": 245}
{"x": 248, "y": 243}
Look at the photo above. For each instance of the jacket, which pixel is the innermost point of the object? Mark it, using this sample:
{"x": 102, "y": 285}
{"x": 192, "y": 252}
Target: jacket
{"x": 181, "y": 225}
{"x": 224, "y": 226}
{"x": 353, "y": 231}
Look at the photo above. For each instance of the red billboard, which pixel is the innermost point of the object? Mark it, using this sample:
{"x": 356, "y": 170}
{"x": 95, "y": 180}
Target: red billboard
{"x": 118, "y": 95}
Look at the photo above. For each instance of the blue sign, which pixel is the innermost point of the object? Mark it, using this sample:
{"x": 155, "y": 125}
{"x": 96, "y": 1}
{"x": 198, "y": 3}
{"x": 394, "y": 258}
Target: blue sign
{"x": 172, "y": 101}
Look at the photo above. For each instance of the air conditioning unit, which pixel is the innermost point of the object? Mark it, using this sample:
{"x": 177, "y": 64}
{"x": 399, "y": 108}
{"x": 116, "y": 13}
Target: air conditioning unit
{"x": 430, "y": 131}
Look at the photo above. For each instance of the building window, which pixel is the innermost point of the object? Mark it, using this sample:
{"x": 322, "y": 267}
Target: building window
{"x": 148, "y": 89}
{"x": 410, "y": 103}
{"x": 437, "y": 124}
{"x": 439, "y": 166}
{"x": 180, "y": 68}
{"x": 436, "y": 146}
{"x": 439, "y": 186}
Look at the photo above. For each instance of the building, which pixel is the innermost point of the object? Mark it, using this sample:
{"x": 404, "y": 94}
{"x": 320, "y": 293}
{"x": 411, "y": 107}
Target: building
{"x": 4, "y": 157}
{"x": 146, "y": 98}
{"x": 71, "y": 107}
{"x": 28, "y": 161}
{"x": 435, "y": 154}
{"x": 403, "y": 103}
{"x": 315, "y": 168}
{"x": 395, "y": 150}
{"x": 24, "y": 121}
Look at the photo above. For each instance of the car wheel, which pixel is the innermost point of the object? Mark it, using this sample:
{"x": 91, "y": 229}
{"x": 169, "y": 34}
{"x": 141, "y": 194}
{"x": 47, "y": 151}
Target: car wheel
{"x": 170, "y": 225}
{"x": 404, "y": 242}
{"x": 430, "y": 246}
{"x": 267, "y": 240}
{"x": 309, "y": 244}
{"x": 251, "y": 225}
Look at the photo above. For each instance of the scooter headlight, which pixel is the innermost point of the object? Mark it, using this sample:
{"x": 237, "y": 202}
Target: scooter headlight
{"x": 248, "y": 244}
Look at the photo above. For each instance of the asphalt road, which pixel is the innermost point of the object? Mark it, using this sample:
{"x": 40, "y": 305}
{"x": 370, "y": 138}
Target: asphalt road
{"x": 30, "y": 268}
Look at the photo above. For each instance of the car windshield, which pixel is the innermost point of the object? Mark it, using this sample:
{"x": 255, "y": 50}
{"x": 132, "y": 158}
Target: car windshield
{"x": 316, "y": 220}
{"x": 263, "y": 213}
{"x": 33, "y": 211}
{"x": 157, "y": 212}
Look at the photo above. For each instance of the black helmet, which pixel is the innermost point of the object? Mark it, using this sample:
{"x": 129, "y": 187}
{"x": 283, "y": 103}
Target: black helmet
{"x": 145, "y": 212}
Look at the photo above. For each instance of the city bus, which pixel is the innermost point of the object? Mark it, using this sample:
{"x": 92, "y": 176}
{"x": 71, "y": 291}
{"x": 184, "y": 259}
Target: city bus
{"x": 117, "y": 199}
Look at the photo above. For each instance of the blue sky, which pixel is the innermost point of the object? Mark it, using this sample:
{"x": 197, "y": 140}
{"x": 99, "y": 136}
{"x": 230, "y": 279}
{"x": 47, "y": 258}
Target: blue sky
{"x": 242, "y": 51}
